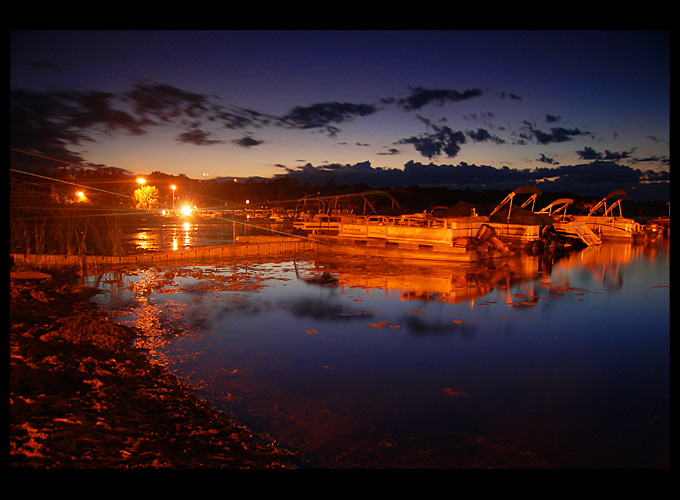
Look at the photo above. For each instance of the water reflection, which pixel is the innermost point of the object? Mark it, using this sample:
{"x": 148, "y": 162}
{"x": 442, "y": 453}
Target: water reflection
{"x": 162, "y": 234}
{"x": 441, "y": 282}
{"x": 364, "y": 362}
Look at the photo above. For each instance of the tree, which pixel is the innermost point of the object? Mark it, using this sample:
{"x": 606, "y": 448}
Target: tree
{"x": 146, "y": 196}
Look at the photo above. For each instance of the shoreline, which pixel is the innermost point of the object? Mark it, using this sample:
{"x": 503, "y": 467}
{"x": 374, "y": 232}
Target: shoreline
{"x": 82, "y": 397}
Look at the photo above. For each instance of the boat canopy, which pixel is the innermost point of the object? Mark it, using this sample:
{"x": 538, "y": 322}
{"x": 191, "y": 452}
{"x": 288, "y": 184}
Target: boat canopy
{"x": 556, "y": 206}
{"x": 533, "y": 191}
{"x": 620, "y": 193}
{"x": 334, "y": 203}
{"x": 505, "y": 212}
{"x": 518, "y": 215}
{"x": 330, "y": 204}
{"x": 462, "y": 209}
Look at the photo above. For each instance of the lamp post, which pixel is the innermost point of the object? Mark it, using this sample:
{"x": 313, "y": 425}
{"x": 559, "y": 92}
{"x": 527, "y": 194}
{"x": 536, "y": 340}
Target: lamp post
{"x": 173, "y": 187}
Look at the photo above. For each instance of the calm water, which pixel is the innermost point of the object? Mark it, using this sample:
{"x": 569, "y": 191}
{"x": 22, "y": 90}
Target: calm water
{"x": 165, "y": 234}
{"x": 364, "y": 362}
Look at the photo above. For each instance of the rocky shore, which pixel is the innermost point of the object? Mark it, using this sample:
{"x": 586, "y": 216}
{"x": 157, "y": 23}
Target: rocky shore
{"x": 82, "y": 398}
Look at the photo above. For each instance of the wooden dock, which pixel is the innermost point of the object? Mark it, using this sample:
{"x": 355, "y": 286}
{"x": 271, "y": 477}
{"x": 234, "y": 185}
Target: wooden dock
{"x": 251, "y": 246}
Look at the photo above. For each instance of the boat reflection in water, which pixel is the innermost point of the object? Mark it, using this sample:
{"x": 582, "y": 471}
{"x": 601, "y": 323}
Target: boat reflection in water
{"x": 423, "y": 280}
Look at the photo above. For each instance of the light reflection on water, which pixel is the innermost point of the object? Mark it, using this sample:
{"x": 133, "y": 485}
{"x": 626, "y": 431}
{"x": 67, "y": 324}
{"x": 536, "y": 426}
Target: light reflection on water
{"x": 365, "y": 362}
{"x": 165, "y": 234}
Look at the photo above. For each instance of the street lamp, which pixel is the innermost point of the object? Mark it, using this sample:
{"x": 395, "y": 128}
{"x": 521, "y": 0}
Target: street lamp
{"x": 173, "y": 187}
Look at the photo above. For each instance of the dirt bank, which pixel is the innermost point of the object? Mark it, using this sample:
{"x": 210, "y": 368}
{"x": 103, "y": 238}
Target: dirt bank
{"x": 81, "y": 397}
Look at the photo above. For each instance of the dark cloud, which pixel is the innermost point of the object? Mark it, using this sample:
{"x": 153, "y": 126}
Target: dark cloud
{"x": 616, "y": 156}
{"x": 441, "y": 140}
{"x": 197, "y": 137}
{"x": 589, "y": 153}
{"x": 167, "y": 103}
{"x": 247, "y": 142}
{"x": 556, "y": 134}
{"x": 462, "y": 176}
{"x": 421, "y": 97}
{"x": 321, "y": 115}
{"x": 95, "y": 110}
{"x": 48, "y": 123}
{"x": 545, "y": 159}
{"x": 599, "y": 172}
{"x": 655, "y": 139}
{"x": 162, "y": 104}
{"x": 389, "y": 152}
{"x": 601, "y": 177}
{"x": 596, "y": 179}
{"x": 357, "y": 173}
{"x": 480, "y": 117}
{"x": 482, "y": 135}
{"x": 236, "y": 119}
{"x": 655, "y": 176}
{"x": 656, "y": 159}
{"x": 509, "y": 95}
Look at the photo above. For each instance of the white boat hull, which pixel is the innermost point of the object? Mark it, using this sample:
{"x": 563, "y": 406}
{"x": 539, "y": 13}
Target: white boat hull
{"x": 611, "y": 228}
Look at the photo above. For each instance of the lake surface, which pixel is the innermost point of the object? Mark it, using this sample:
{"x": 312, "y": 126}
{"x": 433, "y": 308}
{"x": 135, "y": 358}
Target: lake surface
{"x": 371, "y": 363}
{"x": 176, "y": 233}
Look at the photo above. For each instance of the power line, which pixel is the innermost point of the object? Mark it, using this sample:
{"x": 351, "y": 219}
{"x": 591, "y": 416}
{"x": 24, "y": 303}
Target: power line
{"x": 71, "y": 183}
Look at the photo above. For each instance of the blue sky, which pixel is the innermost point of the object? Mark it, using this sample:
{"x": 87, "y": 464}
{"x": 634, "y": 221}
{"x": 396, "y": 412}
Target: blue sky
{"x": 212, "y": 104}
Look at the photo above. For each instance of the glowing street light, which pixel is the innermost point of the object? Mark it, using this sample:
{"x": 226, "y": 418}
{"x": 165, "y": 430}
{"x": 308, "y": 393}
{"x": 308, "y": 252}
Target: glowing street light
{"x": 173, "y": 187}
{"x": 81, "y": 196}
{"x": 186, "y": 210}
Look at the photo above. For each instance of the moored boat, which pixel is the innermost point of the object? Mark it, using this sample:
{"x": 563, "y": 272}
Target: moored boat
{"x": 325, "y": 215}
{"x": 319, "y": 223}
{"x": 574, "y": 232}
{"x": 659, "y": 227}
{"x": 603, "y": 221}
{"x": 418, "y": 236}
{"x": 518, "y": 226}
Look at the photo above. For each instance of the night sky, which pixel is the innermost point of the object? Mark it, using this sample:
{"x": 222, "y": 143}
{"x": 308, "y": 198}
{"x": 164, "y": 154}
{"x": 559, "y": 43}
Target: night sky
{"x": 580, "y": 110}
